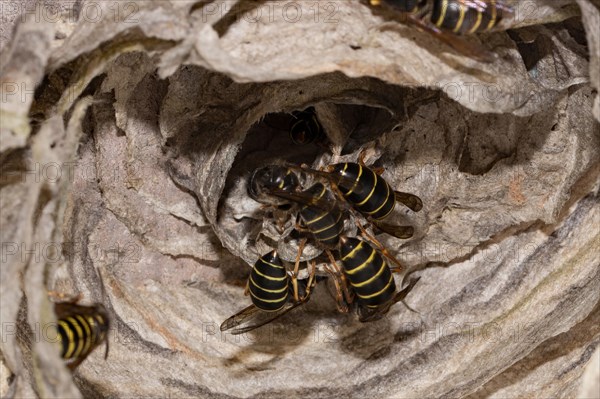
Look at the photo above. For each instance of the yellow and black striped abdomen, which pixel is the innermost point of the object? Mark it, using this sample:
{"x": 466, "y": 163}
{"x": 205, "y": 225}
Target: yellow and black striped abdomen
{"x": 81, "y": 333}
{"x": 268, "y": 283}
{"x": 369, "y": 193}
{"x": 462, "y": 18}
{"x": 325, "y": 224}
{"x": 368, "y": 273}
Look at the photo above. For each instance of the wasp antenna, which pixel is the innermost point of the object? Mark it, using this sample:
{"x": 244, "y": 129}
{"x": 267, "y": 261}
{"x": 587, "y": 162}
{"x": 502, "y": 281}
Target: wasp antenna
{"x": 102, "y": 286}
{"x": 106, "y": 351}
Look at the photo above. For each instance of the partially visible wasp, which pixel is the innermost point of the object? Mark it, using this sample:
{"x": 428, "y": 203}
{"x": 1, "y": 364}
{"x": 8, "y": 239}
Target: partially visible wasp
{"x": 265, "y": 180}
{"x": 324, "y": 220}
{"x": 370, "y": 278}
{"x": 319, "y": 213}
{"x": 273, "y": 293}
{"x": 370, "y": 194}
{"x": 446, "y": 19}
{"x": 279, "y": 186}
{"x": 81, "y": 330}
{"x": 305, "y": 127}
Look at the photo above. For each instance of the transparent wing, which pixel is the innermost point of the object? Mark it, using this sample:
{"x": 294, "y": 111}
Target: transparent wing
{"x": 366, "y": 314}
{"x": 410, "y": 200}
{"x": 458, "y": 43}
{"x": 303, "y": 198}
{"x": 402, "y": 232}
{"x": 252, "y": 317}
{"x": 69, "y": 309}
{"x": 483, "y": 5}
{"x": 479, "y": 5}
{"x": 332, "y": 177}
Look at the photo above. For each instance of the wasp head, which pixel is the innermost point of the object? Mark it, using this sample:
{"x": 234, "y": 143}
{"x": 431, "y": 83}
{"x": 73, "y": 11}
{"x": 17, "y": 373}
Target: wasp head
{"x": 269, "y": 179}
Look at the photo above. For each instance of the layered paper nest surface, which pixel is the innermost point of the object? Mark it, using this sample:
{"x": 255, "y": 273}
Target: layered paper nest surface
{"x": 128, "y": 134}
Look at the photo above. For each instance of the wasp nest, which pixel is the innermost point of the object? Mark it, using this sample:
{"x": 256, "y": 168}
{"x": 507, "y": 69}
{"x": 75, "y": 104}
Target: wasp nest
{"x": 129, "y": 131}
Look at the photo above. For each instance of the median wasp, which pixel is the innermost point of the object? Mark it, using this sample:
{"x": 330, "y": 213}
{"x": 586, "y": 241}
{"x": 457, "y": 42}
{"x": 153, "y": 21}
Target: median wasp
{"x": 370, "y": 194}
{"x": 305, "y": 128}
{"x": 365, "y": 273}
{"x": 370, "y": 278}
{"x": 81, "y": 329}
{"x": 447, "y": 19}
{"x": 273, "y": 291}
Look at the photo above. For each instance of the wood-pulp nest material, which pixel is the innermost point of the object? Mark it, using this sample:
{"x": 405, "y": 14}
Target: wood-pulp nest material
{"x": 128, "y": 133}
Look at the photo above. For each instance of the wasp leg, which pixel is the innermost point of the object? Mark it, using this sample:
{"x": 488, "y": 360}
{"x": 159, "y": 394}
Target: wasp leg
{"x": 361, "y": 161}
{"x": 361, "y": 157}
{"x": 339, "y": 296}
{"x": 379, "y": 246}
{"x": 311, "y": 280}
{"x": 299, "y": 227}
{"x": 299, "y": 255}
{"x": 348, "y": 296}
{"x": 64, "y": 297}
{"x": 247, "y": 289}
{"x": 296, "y": 268}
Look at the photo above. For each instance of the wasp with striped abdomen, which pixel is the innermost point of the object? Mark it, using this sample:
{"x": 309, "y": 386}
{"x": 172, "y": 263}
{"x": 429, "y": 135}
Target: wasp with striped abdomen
{"x": 318, "y": 211}
{"x": 447, "y": 19}
{"x": 370, "y": 194}
{"x": 276, "y": 185}
{"x": 370, "y": 278}
{"x": 365, "y": 270}
{"x": 81, "y": 329}
{"x": 365, "y": 273}
{"x": 362, "y": 187}
{"x": 324, "y": 220}
{"x": 273, "y": 293}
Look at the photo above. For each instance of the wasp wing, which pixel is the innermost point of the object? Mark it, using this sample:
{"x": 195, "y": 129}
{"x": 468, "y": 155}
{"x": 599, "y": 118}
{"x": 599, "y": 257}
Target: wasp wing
{"x": 457, "y": 42}
{"x": 410, "y": 200}
{"x": 304, "y": 198}
{"x": 252, "y": 317}
{"x": 402, "y": 232}
{"x": 500, "y": 6}
{"x": 406, "y": 290}
{"x": 366, "y": 314}
{"x": 239, "y": 318}
{"x": 330, "y": 177}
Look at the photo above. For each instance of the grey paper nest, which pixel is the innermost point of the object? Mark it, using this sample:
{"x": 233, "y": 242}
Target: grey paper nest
{"x": 129, "y": 162}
